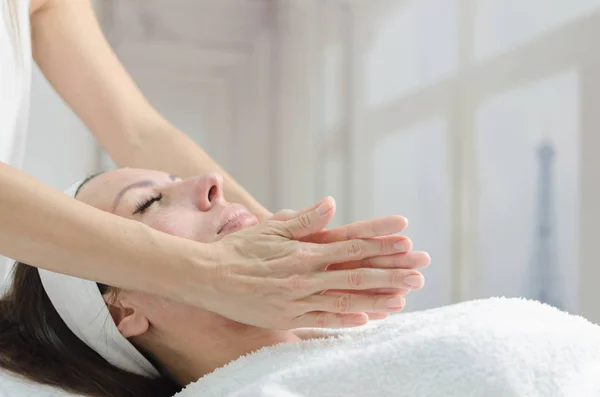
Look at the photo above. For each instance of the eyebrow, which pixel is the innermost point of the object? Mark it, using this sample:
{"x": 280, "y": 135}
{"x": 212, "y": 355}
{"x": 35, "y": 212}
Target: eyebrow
{"x": 135, "y": 185}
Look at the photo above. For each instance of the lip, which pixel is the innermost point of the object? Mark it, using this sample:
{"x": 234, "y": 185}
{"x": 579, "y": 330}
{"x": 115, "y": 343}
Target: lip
{"x": 235, "y": 217}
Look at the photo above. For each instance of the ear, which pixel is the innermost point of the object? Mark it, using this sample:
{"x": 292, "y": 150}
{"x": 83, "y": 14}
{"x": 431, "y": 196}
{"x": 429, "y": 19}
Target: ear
{"x": 130, "y": 322}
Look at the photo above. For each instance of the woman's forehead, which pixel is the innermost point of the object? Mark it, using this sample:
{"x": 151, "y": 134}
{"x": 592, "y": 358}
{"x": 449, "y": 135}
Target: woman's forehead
{"x": 101, "y": 190}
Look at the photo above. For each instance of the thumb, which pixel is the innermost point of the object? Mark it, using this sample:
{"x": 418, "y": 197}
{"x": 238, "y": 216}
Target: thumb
{"x": 287, "y": 214}
{"x": 284, "y": 215}
{"x": 310, "y": 221}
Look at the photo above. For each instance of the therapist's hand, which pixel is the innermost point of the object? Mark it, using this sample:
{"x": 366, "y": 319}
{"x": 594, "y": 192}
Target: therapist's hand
{"x": 267, "y": 278}
{"x": 373, "y": 228}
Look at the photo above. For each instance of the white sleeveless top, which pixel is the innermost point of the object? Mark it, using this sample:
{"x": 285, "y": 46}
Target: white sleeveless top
{"x": 15, "y": 80}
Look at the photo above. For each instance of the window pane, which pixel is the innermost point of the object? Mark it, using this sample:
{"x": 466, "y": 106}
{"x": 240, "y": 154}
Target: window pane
{"x": 411, "y": 177}
{"x": 528, "y": 144}
{"x": 415, "y": 45}
{"x": 502, "y": 25}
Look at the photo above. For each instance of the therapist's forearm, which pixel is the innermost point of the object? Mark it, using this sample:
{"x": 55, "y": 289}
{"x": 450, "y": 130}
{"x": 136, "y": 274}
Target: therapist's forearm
{"x": 74, "y": 55}
{"x": 44, "y": 228}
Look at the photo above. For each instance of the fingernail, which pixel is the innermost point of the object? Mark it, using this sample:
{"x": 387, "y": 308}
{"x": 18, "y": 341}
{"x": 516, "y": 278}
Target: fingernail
{"x": 414, "y": 280}
{"x": 358, "y": 319}
{"x": 396, "y": 302}
{"x": 325, "y": 207}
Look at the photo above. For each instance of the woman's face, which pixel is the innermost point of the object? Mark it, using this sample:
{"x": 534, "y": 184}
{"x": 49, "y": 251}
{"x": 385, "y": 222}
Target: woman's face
{"x": 193, "y": 208}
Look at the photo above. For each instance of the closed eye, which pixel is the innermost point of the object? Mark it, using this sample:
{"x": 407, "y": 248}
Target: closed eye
{"x": 144, "y": 205}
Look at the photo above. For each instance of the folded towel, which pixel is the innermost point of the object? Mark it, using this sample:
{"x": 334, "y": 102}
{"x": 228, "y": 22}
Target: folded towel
{"x": 13, "y": 386}
{"x": 487, "y": 348}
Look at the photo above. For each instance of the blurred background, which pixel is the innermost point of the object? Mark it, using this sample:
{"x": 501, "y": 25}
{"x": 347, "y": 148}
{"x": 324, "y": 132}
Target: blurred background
{"x": 476, "y": 119}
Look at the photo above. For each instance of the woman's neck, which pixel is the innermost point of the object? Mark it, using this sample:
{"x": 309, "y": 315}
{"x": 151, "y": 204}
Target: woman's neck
{"x": 189, "y": 353}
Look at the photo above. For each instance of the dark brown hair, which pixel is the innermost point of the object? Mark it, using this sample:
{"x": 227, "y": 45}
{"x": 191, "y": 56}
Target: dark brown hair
{"x": 37, "y": 345}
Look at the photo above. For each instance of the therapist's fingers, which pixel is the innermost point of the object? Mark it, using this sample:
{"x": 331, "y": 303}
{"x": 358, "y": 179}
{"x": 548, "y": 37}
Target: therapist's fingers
{"x": 330, "y": 320}
{"x": 374, "y": 291}
{"x": 306, "y": 223}
{"x": 352, "y": 303}
{"x": 364, "y": 279}
{"x": 283, "y": 215}
{"x": 312, "y": 320}
{"x": 377, "y": 316}
{"x": 323, "y": 255}
{"x": 287, "y": 214}
{"x": 384, "y": 226}
{"x": 404, "y": 260}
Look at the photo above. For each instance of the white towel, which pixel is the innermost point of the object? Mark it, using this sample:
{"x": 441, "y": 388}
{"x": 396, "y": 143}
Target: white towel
{"x": 486, "y": 348}
{"x": 13, "y": 386}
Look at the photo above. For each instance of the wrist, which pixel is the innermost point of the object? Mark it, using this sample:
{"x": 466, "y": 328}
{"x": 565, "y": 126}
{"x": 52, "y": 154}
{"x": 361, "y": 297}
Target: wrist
{"x": 182, "y": 269}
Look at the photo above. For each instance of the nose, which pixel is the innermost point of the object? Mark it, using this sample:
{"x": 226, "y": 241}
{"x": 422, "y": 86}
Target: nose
{"x": 209, "y": 190}
{"x": 202, "y": 191}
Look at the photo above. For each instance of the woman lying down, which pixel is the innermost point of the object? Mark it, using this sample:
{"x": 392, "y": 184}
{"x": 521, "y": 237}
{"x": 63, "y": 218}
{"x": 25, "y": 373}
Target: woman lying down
{"x": 94, "y": 340}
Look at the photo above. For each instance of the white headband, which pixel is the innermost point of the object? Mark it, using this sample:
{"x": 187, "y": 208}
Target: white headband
{"x": 81, "y": 306}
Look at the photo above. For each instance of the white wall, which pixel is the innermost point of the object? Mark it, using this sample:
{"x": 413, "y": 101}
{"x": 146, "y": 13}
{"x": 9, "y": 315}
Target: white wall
{"x": 59, "y": 149}
{"x": 250, "y": 142}
{"x": 183, "y": 103}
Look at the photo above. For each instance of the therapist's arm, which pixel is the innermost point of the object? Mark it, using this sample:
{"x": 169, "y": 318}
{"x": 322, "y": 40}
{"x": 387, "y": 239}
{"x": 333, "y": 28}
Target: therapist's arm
{"x": 45, "y": 228}
{"x": 73, "y": 54}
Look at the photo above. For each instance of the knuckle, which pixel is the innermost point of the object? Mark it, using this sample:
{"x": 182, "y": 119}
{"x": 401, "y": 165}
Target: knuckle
{"x": 373, "y": 229}
{"x": 305, "y": 220}
{"x": 356, "y": 279}
{"x": 274, "y": 227}
{"x": 256, "y": 288}
{"x": 383, "y": 245}
{"x": 320, "y": 320}
{"x": 346, "y": 233}
{"x": 354, "y": 249}
{"x": 223, "y": 272}
{"x": 302, "y": 254}
{"x": 343, "y": 303}
{"x": 295, "y": 283}
{"x": 396, "y": 278}
{"x": 376, "y": 304}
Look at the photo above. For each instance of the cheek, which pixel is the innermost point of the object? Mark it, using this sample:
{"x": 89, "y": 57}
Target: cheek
{"x": 165, "y": 313}
{"x": 168, "y": 223}
{"x": 190, "y": 225}
{"x": 152, "y": 306}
